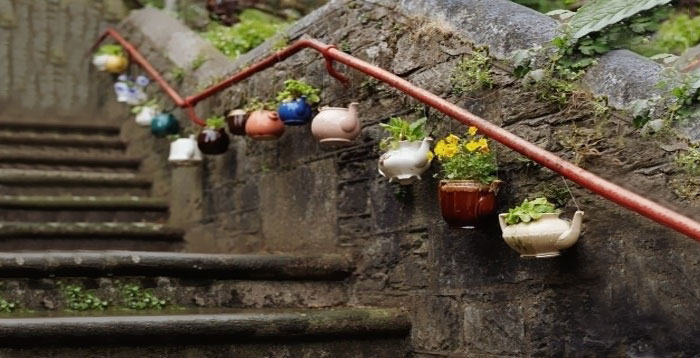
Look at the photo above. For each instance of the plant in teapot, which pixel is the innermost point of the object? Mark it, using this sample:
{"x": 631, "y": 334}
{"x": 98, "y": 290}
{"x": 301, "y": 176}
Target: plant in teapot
{"x": 110, "y": 58}
{"x": 407, "y": 150}
{"x": 263, "y": 123}
{"x": 469, "y": 183}
{"x": 295, "y": 102}
{"x": 534, "y": 229}
{"x": 184, "y": 149}
{"x": 146, "y": 112}
{"x": 212, "y": 139}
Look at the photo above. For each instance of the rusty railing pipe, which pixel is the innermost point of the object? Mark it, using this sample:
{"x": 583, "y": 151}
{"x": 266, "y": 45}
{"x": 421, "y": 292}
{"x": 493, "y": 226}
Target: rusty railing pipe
{"x": 580, "y": 176}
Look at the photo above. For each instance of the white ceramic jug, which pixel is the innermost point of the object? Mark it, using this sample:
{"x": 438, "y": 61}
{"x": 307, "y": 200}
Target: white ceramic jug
{"x": 406, "y": 163}
{"x": 544, "y": 237}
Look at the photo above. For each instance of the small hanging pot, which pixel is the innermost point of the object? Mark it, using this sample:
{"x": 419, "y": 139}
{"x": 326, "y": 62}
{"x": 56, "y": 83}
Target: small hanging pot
{"x": 145, "y": 115}
{"x": 544, "y": 237}
{"x": 465, "y": 202}
{"x": 236, "y": 120}
{"x": 296, "y": 112}
{"x": 264, "y": 125}
{"x": 184, "y": 150}
{"x": 336, "y": 126}
{"x": 407, "y": 162}
{"x": 213, "y": 141}
{"x": 164, "y": 124}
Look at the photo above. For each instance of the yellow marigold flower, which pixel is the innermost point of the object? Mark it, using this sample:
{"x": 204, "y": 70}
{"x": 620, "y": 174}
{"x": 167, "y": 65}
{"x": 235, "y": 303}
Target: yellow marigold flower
{"x": 472, "y": 145}
{"x": 440, "y": 149}
{"x": 483, "y": 143}
{"x": 430, "y": 156}
{"x": 452, "y": 139}
{"x": 472, "y": 130}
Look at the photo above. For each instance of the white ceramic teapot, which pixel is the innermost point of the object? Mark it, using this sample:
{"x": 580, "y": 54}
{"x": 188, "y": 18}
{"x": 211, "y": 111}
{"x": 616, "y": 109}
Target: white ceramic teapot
{"x": 336, "y": 126}
{"x": 406, "y": 163}
{"x": 145, "y": 116}
{"x": 184, "y": 150}
{"x": 544, "y": 237}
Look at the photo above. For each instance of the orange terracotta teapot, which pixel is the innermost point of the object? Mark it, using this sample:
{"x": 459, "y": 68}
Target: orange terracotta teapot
{"x": 264, "y": 125}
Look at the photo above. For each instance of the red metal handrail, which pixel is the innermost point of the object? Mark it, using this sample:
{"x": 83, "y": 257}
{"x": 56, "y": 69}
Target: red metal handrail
{"x": 582, "y": 177}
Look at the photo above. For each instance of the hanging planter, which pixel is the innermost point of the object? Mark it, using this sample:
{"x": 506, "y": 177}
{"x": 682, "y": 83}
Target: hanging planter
{"x": 213, "y": 140}
{"x": 145, "y": 113}
{"x": 263, "y": 123}
{"x": 407, "y": 153}
{"x": 336, "y": 126}
{"x": 295, "y": 102}
{"x": 130, "y": 90}
{"x": 184, "y": 150}
{"x": 164, "y": 124}
{"x": 110, "y": 58}
{"x": 468, "y": 190}
{"x": 534, "y": 229}
{"x": 236, "y": 121}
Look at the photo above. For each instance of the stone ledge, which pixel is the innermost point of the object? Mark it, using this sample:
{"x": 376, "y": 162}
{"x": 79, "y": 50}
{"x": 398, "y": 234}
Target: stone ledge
{"x": 82, "y": 202}
{"x": 143, "y": 263}
{"x": 241, "y": 326}
{"x": 89, "y": 230}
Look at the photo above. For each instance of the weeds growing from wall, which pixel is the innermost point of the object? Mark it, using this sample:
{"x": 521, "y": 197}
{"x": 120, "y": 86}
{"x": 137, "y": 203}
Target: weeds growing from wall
{"x": 472, "y": 73}
{"x": 78, "y": 299}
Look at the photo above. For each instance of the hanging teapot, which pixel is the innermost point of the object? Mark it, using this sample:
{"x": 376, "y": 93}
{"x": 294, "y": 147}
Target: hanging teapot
{"x": 336, "y": 126}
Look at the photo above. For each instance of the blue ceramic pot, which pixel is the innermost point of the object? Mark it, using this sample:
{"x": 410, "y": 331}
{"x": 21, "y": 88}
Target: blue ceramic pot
{"x": 164, "y": 124}
{"x": 296, "y": 112}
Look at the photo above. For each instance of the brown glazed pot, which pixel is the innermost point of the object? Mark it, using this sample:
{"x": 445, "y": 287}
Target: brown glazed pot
{"x": 236, "y": 121}
{"x": 213, "y": 141}
{"x": 264, "y": 125}
{"x": 465, "y": 202}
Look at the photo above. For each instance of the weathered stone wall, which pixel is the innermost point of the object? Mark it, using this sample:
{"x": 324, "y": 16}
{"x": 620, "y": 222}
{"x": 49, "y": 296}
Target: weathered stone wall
{"x": 627, "y": 288}
{"x": 43, "y": 54}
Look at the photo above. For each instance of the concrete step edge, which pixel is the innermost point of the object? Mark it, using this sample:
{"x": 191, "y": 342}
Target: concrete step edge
{"x": 57, "y": 177}
{"x": 173, "y": 264}
{"x": 83, "y": 203}
{"x": 90, "y": 127}
{"x": 90, "y": 230}
{"x": 61, "y": 141}
{"x": 53, "y": 158}
{"x": 242, "y": 326}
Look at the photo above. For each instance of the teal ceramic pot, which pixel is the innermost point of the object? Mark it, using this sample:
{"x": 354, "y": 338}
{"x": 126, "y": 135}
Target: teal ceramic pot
{"x": 164, "y": 124}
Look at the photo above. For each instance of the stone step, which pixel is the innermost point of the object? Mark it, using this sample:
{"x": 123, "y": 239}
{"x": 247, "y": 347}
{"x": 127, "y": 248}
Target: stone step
{"x": 333, "y": 332}
{"x": 94, "y": 128}
{"x": 58, "y": 182}
{"x": 36, "y": 279}
{"x": 48, "y": 159}
{"x": 82, "y": 208}
{"x": 60, "y": 140}
{"x": 87, "y": 235}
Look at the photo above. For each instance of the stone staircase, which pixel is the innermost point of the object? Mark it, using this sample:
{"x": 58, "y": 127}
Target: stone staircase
{"x": 68, "y": 187}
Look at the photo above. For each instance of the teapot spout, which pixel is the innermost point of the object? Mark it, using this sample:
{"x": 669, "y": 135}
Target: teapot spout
{"x": 502, "y": 221}
{"x": 569, "y": 237}
{"x": 421, "y": 159}
{"x": 350, "y": 122}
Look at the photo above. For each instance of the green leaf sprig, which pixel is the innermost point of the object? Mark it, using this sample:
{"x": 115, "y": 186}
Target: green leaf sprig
{"x": 215, "y": 122}
{"x": 256, "y": 104}
{"x": 402, "y": 130}
{"x": 294, "y": 89}
{"x": 114, "y": 50}
{"x": 530, "y": 210}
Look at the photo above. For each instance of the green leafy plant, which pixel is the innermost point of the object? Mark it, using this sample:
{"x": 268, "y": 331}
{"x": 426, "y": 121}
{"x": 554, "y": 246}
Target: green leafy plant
{"x": 472, "y": 73}
{"x": 78, "y": 299}
{"x": 149, "y": 103}
{"x": 689, "y": 161}
{"x": 596, "y": 15}
{"x": 135, "y": 298}
{"x": 198, "y": 62}
{"x": 296, "y": 88}
{"x": 114, "y": 50}
{"x": 253, "y": 29}
{"x": 402, "y": 130}
{"x": 468, "y": 158}
{"x": 256, "y": 104}
{"x": 530, "y": 210}
{"x": 215, "y": 122}
{"x": 8, "y": 306}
